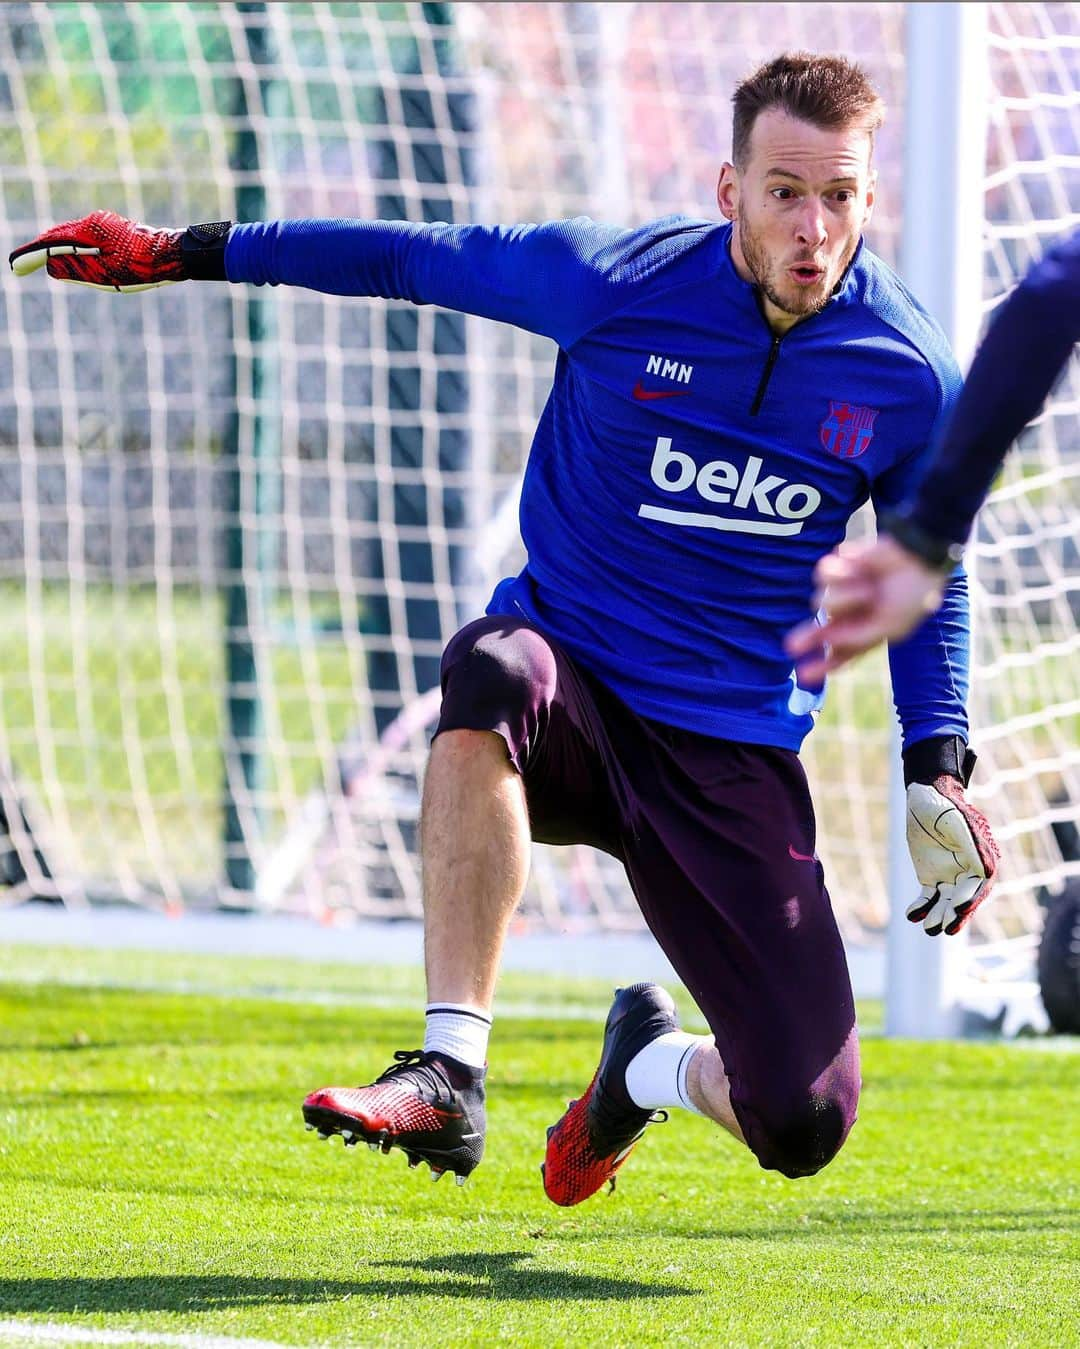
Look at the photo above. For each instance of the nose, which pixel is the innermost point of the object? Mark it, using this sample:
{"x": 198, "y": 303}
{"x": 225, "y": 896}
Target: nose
{"x": 810, "y": 229}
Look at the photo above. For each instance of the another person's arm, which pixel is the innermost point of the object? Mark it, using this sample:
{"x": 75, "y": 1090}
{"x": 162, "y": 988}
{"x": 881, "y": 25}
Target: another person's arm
{"x": 1021, "y": 357}
{"x": 883, "y": 590}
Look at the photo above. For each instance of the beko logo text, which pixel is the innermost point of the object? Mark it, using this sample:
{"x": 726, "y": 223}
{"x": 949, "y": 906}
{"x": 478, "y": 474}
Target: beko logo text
{"x": 788, "y": 504}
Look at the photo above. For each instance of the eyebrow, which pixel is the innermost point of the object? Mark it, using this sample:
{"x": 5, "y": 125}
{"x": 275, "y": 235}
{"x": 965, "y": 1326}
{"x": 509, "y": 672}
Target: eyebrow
{"x": 795, "y": 178}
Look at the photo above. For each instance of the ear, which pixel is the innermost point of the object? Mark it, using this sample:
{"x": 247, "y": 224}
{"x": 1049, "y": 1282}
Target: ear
{"x": 870, "y": 197}
{"x": 727, "y": 191}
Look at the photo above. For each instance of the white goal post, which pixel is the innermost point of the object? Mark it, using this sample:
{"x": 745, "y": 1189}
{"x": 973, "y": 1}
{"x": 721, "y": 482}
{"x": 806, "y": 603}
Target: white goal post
{"x": 946, "y": 107}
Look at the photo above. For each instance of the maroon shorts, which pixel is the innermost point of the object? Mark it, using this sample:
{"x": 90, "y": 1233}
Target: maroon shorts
{"x": 718, "y": 841}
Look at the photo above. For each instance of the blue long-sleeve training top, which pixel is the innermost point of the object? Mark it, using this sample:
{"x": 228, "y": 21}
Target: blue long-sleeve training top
{"x": 689, "y": 467}
{"x": 1025, "y": 350}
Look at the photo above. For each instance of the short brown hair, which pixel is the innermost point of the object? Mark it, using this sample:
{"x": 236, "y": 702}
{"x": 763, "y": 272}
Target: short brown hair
{"x": 826, "y": 91}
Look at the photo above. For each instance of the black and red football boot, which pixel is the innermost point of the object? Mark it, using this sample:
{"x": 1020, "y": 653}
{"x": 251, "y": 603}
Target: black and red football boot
{"x": 598, "y": 1132}
{"x": 429, "y": 1105}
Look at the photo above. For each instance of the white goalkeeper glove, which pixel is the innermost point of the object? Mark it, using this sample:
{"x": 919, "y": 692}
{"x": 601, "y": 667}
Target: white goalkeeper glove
{"x": 950, "y": 842}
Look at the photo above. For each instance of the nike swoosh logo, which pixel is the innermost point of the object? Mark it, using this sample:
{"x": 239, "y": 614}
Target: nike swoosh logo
{"x": 644, "y": 395}
{"x": 800, "y": 856}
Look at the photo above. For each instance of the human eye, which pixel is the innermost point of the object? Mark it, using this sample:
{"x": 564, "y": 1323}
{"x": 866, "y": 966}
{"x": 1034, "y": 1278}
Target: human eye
{"x": 783, "y": 193}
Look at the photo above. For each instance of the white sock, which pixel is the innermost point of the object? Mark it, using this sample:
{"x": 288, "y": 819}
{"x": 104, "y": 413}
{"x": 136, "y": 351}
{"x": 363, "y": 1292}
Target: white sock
{"x": 459, "y": 1030}
{"x": 656, "y": 1075}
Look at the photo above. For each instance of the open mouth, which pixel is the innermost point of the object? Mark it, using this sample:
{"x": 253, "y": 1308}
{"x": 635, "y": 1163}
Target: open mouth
{"x": 805, "y": 275}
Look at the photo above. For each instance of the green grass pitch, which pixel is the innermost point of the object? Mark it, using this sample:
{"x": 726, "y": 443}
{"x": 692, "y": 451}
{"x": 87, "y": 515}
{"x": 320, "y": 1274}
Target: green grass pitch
{"x": 155, "y": 1178}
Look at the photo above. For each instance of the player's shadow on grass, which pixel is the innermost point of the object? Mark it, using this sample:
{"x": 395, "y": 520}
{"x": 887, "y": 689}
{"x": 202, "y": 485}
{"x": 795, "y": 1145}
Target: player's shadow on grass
{"x": 166, "y": 1293}
{"x": 510, "y": 1276}
{"x": 506, "y": 1276}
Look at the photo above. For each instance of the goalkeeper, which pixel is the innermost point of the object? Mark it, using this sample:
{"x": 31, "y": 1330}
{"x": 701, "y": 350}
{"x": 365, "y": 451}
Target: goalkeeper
{"x": 725, "y": 395}
{"x": 882, "y": 590}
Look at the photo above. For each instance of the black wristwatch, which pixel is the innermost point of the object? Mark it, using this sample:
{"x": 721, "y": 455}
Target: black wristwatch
{"x": 940, "y": 554}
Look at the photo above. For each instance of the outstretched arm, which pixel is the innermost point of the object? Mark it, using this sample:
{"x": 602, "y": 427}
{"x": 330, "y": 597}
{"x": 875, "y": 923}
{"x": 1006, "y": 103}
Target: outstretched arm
{"x": 558, "y": 279}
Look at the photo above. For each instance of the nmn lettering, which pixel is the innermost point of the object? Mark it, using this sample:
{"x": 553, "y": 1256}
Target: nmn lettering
{"x": 676, "y": 370}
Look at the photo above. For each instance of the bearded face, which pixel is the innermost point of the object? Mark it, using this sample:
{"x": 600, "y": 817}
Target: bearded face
{"x": 800, "y": 204}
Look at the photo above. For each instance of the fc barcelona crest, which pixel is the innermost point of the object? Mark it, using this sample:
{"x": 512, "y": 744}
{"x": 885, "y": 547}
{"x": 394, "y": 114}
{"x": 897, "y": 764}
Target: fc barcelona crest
{"x": 848, "y": 429}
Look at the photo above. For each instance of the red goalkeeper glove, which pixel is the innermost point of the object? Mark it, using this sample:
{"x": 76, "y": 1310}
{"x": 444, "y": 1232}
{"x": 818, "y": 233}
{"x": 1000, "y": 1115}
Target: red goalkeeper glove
{"x": 109, "y": 252}
{"x": 950, "y": 842}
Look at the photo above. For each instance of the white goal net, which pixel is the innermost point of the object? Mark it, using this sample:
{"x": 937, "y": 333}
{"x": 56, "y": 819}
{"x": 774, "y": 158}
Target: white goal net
{"x": 236, "y": 529}
{"x": 1026, "y": 557}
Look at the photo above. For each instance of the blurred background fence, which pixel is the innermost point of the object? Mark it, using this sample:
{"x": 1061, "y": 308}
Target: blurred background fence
{"x": 236, "y": 528}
